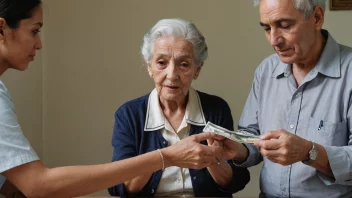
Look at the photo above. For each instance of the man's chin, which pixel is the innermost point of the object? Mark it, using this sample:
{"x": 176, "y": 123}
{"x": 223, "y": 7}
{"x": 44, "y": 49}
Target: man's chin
{"x": 287, "y": 59}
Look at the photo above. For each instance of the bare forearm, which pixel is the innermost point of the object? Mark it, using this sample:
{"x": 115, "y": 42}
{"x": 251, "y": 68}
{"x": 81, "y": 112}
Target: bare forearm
{"x": 322, "y": 162}
{"x": 222, "y": 174}
{"x": 77, "y": 180}
{"x": 72, "y": 181}
{"x": 136, "y": 185}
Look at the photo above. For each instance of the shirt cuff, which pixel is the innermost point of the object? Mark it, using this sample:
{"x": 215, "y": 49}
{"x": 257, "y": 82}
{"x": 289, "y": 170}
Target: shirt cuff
{"x": 339, "y": 159}
{"x": 253, "y": 158}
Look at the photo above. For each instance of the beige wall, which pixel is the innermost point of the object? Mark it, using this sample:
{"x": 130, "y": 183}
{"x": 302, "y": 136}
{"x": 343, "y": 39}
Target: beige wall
{"x": 91, "y": 65}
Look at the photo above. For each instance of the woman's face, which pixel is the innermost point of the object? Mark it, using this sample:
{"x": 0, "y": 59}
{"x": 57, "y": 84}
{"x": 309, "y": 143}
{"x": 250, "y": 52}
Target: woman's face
{"x": 18, "y": 46}
{"x": 173, "y": 67}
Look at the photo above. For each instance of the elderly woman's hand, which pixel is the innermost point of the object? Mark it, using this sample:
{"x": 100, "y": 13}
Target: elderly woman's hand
{"x": 231, "y": 149}
{"x": 218, "y": 145}
{"x": 188, "y": 153}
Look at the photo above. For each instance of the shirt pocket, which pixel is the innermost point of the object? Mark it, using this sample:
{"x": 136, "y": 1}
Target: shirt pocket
{"x": 327, "y": 133}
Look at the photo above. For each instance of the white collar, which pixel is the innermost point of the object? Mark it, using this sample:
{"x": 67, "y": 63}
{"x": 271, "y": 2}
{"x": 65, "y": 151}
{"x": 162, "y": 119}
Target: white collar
{"x": 155, "y": 119}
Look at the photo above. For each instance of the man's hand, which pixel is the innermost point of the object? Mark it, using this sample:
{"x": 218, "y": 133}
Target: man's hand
{"x": 283, "y": 147}
{"x": 231, "y": 149}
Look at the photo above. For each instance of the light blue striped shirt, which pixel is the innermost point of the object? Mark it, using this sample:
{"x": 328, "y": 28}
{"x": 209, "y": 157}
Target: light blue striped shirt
{"x": 323, "y": 99}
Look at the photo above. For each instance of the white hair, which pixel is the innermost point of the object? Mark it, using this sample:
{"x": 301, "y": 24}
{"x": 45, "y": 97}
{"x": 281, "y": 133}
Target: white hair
{"x": 175, "y": 27}
{"x": 305, "y": 6}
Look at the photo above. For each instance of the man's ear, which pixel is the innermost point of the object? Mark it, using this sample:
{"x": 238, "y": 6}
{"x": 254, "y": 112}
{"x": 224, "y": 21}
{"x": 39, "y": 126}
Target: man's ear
{"x": 318, "y": 15}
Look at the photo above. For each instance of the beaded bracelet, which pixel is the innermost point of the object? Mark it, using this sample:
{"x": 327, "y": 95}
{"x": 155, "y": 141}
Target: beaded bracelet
{"x": 162, "y": 159}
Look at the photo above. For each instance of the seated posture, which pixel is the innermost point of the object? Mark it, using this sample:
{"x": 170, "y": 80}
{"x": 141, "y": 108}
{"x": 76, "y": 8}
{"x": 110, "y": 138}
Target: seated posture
{"x": 174, "y": 51}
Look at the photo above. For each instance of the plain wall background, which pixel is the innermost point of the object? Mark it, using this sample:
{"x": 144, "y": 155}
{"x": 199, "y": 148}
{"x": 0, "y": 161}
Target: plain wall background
{"x": 91, "y": 64}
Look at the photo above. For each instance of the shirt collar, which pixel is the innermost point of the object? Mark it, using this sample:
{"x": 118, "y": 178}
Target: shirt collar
{"x": 155, "y": 119}
{"x": 328, "y": 64}
{"x": 282, "y": 69}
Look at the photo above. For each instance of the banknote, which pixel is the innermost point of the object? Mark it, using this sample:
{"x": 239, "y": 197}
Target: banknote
{"x": 238, "y": 136}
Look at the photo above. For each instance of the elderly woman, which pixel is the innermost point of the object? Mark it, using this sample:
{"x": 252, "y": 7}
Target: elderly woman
{"x": 174, "y": 51}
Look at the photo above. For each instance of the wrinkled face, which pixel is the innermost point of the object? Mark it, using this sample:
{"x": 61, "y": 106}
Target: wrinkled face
{"x": 288, "y": 32}
{"x": 173, "y": 67}
{"x": 18, "y": 46}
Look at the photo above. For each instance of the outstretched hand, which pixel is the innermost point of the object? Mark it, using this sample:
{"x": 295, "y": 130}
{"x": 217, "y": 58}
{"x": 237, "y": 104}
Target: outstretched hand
{"x": 231, "y": 149}
{"x": 189, "y": 153}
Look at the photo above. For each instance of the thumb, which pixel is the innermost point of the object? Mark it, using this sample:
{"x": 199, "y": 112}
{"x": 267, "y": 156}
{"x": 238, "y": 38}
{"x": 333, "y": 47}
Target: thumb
{"x": 210, "y": 141}
{"x": 218, "y": 137}
{"x": 202, "y": 136}
{"x": 271, "y": 135}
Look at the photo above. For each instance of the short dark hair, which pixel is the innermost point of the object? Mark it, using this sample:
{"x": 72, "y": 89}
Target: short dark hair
{"x": 13, "y": 11}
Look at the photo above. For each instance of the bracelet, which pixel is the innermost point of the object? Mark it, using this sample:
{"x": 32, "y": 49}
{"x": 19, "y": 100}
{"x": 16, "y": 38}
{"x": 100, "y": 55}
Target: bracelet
{"x": 162, "y": 160}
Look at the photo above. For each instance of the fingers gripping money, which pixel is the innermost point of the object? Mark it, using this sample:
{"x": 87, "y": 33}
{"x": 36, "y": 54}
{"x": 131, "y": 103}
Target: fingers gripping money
{"x": 239, "y": 136}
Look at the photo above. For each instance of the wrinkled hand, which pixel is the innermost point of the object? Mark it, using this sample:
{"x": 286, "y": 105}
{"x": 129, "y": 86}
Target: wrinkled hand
{"x": 189, "y": 153}
{"x": 218, "y": 145}
{"x": 283, "y": 147}
{"x": 231, "y": 149}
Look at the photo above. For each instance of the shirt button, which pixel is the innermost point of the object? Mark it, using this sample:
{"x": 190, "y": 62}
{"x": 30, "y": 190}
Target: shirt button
{"x": 164, "y": 142}
{"x": 194, "y": 178}
{"x": 179, "y": 179}
{"x": 152, "y": 191}
{"x": 292, "y": 126}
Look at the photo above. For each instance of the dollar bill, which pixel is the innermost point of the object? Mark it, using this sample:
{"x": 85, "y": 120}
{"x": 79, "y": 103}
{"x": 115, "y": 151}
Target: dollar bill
{"x": 238, "y": 136}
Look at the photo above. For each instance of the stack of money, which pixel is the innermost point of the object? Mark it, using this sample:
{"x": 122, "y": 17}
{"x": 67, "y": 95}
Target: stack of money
{"x": 239, "y": 136}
